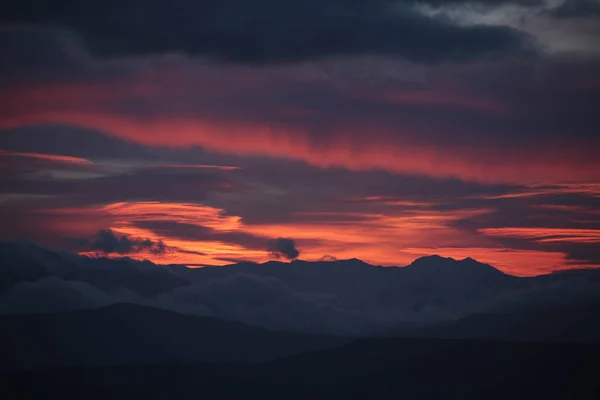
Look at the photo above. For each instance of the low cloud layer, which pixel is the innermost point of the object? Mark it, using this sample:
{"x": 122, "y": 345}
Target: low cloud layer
{"x": 268, "y": 302}
{"x": 52, "y": 294}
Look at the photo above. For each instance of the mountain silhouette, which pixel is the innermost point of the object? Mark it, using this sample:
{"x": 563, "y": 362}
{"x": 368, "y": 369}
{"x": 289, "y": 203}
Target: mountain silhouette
{"x": 25, "y": 261}
{"x": 440, "y": 327}
{"x": 132, "y": 334}
{"x": 557, "y": 323}
{"x": 340, "y": 297}
{"x": 381, "y": 368}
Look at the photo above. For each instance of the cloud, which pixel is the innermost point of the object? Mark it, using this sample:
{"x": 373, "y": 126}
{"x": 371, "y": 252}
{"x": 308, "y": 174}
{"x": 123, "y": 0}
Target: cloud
{"x": 34, "y": 54}
{"x": 559, "y": 26}
{"x": 283, "y": 248}
{"x": 268, "y": 302}
{"x": 328, "y": 121}
{"x": 108, "y": 242}
{"x": 75, "y": 142}
{"x": 49, "y": 158}
{"x": 52, "y": 294}
{"x": 400, "y": 227}
{"x": 267, "y": 31}
{"x": 404, "y": 216}
{"x": 82, "y": 184}
{"x": 561, "y": 220}
{"x": 576, "y": 8}
{"x": 313, "y": 112}
{"x": 199, "y": 233}
{"x": 350, "y": 119}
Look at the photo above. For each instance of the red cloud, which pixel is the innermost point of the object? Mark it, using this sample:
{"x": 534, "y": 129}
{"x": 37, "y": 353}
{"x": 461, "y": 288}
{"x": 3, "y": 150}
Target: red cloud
{"x": 53, "y": 158}
{"x": 359, "y": 147}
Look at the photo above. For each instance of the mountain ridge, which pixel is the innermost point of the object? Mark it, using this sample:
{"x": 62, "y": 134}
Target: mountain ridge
{"x": 347, "y": 297}
{"x": 129, "y": 333}
{"x": 423, "y": 261}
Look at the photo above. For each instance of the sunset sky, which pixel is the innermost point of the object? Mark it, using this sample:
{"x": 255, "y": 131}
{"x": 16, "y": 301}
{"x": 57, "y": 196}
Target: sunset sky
{"x": 198, "y": 132}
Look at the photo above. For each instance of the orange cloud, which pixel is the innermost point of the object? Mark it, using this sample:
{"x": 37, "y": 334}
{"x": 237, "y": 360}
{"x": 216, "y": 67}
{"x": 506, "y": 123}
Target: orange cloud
{"x": 391, "y": 240}
{"x": 47, "y": 157}
{"x": 125, "y": 215}
{"x": 546, "y": 235}
{"x": 378, "y": 239}
{"x": 589, "y": 188}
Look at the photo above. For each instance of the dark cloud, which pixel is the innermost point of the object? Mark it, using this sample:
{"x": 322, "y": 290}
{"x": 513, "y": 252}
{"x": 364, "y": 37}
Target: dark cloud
{"x": 491, "y": 3}
{"x": 201, "y": 233}
{"x": 342, "y": 195}
{"x": 42, "y": 53}
{"x": 283, "y": 248}
{"x": 235, "y": 260}
{"x": 137, "y": 184}
{"x": 537, "y": 98}
{"x": 108, "y": 242}
{"x": 34, "y": 54}
{"x": 197, "y": 253}
{"x": 76, "y": 142}
{"x": 577, "y": 8}
{"x": 268, "y": 31}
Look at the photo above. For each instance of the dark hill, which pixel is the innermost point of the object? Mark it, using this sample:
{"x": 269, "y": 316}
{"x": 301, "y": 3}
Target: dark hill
{"x": 369, "y": 368}
{"x": 130, "y": 334}
{"x": 557, "y": 323}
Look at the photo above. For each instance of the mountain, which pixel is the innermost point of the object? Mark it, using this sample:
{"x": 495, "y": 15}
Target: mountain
{"x": 558, "y": 323}
{"x": 130, "y": 334}
{"x": 442, "y": 287}
{"x": 468, "y": 269}
{"x": 343, "y": 297}
{"x": 369, "y": 368}
{"x": 353, "y": 282}
{"x": 362, "y": 285}
{"x": 25, "y": 261}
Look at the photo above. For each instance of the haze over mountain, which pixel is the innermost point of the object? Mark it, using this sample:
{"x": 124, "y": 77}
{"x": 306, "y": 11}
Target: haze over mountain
{"x": 347, "y": 297}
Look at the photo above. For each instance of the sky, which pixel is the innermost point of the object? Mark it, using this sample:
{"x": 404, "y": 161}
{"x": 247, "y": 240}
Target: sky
{"x": 210, "y": 132}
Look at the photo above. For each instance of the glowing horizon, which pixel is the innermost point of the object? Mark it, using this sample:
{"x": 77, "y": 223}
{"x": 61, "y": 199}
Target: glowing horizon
{"x": 477, "y": 138}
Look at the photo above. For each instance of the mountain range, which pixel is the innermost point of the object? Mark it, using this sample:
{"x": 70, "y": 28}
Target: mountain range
{"x": 344, "y": 297}
{"x": 77, "y": 326}
{"x": 133, "y": 334}
{"x": 388, "y": 368}
{"x": 128, "y": 334}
